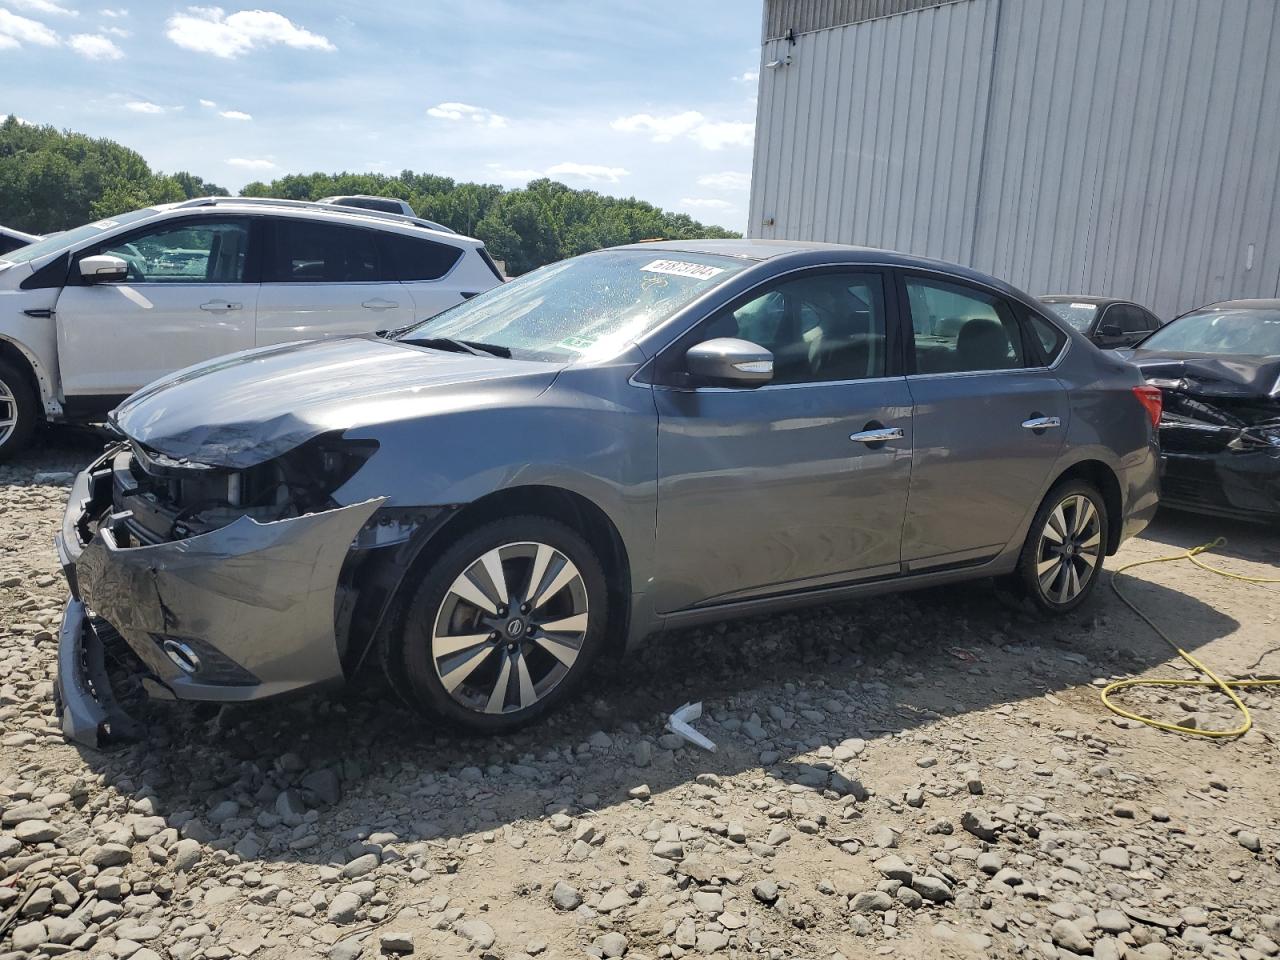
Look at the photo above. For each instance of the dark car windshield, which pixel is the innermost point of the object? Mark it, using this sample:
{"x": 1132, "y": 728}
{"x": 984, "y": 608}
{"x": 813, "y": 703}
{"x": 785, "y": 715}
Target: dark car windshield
{"x": 1230, "y": 330}
{"x": 69, "y": 238}
{"x": 589, "y": 307}
{"x": 1075, "y": 312}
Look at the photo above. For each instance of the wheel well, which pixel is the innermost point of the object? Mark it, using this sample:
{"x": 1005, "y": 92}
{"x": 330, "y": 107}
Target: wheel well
{"x": 576, "y": 512}
{"x": 9, "y": 353}
{"x": 1104, "y": 479}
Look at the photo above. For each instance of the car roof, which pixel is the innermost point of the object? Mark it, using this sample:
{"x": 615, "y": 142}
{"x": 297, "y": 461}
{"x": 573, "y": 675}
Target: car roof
{"x": 1080, "y": 298}
{"x": 1260, "y": 304}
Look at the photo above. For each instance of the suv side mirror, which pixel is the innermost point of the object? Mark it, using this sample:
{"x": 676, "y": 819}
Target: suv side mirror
{"x": 729, "y": 361}
{"x": 102, "y": 268}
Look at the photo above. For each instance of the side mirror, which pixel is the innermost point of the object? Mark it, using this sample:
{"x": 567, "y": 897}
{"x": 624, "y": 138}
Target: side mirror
{"x": 731, "y": 362}
{"x": 1110, "y": 330}
{"x": 103, "y": 268}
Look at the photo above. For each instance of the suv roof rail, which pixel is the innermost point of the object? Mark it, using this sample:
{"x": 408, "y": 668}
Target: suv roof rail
{"x": 312, "y": 205}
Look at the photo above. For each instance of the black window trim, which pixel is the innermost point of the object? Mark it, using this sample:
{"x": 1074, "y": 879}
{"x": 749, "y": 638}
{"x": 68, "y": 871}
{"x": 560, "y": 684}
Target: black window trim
{"x": 251, "y": 261}
{"x": 658, "y": 370}
{"x": 1030, "y": 342}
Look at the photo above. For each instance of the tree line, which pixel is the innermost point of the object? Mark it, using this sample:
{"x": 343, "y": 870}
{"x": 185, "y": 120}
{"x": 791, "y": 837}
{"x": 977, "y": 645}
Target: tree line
{"x": 52, "y": 180}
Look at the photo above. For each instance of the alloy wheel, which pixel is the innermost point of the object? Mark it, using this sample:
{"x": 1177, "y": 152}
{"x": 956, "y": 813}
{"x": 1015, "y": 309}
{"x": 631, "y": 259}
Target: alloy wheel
{"x": 8, "y": 413}
{"x": 1069, "y": 549}
{"x": 510, "y": 627}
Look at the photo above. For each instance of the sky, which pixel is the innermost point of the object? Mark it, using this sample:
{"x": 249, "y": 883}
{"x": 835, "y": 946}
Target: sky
{"x": 652, "y": 99}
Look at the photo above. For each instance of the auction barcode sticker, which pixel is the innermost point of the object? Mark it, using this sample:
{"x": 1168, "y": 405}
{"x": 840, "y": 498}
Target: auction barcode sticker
{"x": 682, "y": 268}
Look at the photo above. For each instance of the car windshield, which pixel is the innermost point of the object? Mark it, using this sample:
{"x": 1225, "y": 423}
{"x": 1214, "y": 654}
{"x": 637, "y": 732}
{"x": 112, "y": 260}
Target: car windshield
{"x": 1241, "y": 331}
{"x": 70, "y": 238}
{"x": 1075, "y": 312}
{"x": 589, "y": 307}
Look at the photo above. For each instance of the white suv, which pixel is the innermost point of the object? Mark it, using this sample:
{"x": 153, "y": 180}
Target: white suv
{"x": 90, "y": 315}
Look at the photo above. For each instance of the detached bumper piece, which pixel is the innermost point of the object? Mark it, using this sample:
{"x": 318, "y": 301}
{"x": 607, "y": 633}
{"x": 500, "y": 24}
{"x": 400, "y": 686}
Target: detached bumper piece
{"x": 244, "y": 612}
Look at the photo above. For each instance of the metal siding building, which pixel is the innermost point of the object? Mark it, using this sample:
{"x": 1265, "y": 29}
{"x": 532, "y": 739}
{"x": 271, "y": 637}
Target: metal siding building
{"x": 1116, "y": 147}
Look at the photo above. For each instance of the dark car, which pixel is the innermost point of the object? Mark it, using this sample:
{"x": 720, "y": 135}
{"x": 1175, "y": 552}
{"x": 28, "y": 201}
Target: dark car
{"x": 640, "y": 438}
{"x": 1219, "y": 370}
{"x": 1109, "y": 322}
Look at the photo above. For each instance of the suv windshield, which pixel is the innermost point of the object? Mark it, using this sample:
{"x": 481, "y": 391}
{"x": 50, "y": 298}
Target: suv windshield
{"x": 1075, "y": 312}
{"x": 589, "y": 307}
{"x": 1238, "y": 331}
{"x": 71, "y": 238}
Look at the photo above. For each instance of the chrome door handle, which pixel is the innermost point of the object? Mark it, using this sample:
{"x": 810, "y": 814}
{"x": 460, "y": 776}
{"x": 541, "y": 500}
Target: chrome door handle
{"x": 379, "y": 304}
{"x": 1041, "y": 423}
{"x": 877, "y": 436}
{"x": 218, "y": 305}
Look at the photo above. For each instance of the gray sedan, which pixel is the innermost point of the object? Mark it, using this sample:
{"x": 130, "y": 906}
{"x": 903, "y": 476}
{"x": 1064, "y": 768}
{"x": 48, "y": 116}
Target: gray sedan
{"x": 641, "y": 438}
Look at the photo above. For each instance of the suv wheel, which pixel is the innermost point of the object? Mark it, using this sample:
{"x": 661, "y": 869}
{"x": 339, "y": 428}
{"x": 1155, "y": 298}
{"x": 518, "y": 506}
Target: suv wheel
{"x": 1062, "y": 558}
{"x": 18, "y": 410}
{"x": 503, "y": 627}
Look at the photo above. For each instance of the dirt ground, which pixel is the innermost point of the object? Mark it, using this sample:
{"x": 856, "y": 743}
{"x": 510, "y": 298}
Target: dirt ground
{"x": 922, "y": 776}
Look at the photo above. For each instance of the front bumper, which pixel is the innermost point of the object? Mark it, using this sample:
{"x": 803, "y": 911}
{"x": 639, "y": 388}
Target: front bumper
{"x": 241, "y": 613}
{"x": 1241, "y": 485}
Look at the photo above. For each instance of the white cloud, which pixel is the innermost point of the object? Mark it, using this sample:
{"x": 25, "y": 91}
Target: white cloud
{"x": 465, "y": 111}
{"x": 208, "y": 103}
{"x": 114, "y": 14}
{"x": 728, "y": 180}
{"x": 144, "y": 106}
{"x": 213, "y": 30}
{"x": 234, "y": 115}
{"x": 21, "y": 121}
{"x": 16, "y": 30}
{"x": 706, "y": 203}
{"x": 248, "y": 163}
{"x": 749, "y": 76}
{"x": 94, "y": 47}
{"x": 116, "y": 31}
{"x": 588, "y": 172}
{"x": 591, "y": 172}
{"x": 709, "y": 134}
{"x": 46, "y": 7}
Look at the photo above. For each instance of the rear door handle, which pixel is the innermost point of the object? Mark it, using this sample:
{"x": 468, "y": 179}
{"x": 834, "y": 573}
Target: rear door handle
{"x": 877, "y": 435}
{"x": 1041, "y": 423}
{"x": 379, "y": 304}
{"x": 219, "y": 306}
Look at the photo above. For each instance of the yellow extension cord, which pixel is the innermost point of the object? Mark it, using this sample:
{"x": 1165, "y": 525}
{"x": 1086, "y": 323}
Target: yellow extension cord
{"x": 1228, "y": 687}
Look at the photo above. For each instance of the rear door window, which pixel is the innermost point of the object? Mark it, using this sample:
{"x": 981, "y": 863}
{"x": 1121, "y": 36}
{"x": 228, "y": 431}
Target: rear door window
{"x": 305, "y": 251}
{"x": 411, "y": 258}
{"x": 961, "y": 329}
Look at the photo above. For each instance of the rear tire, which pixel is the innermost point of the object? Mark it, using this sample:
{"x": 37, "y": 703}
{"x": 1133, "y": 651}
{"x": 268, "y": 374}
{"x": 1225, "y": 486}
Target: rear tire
{"x": 1061, "y": 561}
{"x": 19, "y": 410}
{"x": 474, "y": 646}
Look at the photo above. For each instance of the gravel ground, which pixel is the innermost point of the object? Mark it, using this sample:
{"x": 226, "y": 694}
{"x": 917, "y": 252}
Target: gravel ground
{"x": 923, "y": 776}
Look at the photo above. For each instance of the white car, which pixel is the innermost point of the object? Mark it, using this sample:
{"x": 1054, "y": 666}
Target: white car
{"x": 92, "y": 314}
{"x": 11, "y": 239}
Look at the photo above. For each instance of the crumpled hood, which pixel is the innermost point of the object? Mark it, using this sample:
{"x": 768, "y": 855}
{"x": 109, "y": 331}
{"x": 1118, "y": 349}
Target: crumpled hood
{"x": 250, "y": 407}
{"x": 1209, "y": 376}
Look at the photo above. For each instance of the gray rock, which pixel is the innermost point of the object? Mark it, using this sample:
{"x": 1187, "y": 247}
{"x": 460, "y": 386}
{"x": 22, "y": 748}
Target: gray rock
{"x": 766, "y": 891}
{"x": 28, "y": 936}
{"x": 989, "y": 863}
{"x": 396, "y": 941}
{"x": 1250, "y": 841}
{"x": 980, "y": 824}
{"x": 360, "y": 866}
{"x": 479, "y": 933}
{"x": 871, "y": 901}
{"x": 909, "y": 898}
{"x": 348, "y": 949}
{"x": 324, "y": 785}
{"x": 1117, "y": 857}
{"x": 612, "y": 944}
{"x": 1067, "y": 935}
{"x": 36, "y": 831}
{"x": 894, "y": 868}
{"x": 343, "y": 908}
{"x": 186, "y": 855}
{"x": 668, "y": 850}
{"x": 224, "y": 811}
{"x": 931, "y": 888}
{"x": 108, "y": 855}
{"x": 565, "y": 897}
{"x": 1112, "y": 921}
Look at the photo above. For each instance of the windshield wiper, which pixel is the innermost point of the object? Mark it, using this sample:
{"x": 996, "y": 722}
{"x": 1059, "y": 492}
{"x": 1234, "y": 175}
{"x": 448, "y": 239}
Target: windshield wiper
{"x": 463, "y": 346}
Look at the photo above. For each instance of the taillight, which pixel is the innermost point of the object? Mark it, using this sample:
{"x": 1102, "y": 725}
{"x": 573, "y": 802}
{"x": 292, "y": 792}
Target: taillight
{"x": 1152, "y": 401}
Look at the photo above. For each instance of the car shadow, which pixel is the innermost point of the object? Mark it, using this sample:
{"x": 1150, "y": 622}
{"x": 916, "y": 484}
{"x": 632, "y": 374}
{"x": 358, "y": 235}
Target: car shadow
{"x": 775, "y": 689}
{"x": 1184, "y": 530}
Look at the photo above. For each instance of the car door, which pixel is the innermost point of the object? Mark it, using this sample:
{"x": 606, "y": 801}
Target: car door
{"x": 324, "y": 279}
{"x": 431, "y": 273}
{"x": 190, "y": 295}
{"x": 989, "y": 422}
{"x": 784, "y": 487}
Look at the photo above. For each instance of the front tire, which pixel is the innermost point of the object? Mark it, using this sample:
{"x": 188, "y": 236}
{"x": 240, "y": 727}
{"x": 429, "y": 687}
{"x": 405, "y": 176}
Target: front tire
{"x": 19, "y": 410}
{"x": 504, "y": 626}
{"x": 1061, "y": 560}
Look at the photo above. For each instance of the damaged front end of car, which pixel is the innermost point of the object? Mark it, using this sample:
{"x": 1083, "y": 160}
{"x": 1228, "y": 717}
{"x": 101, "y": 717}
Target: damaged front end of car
{"x": 1220, "y": 436}
{"x": 227, "y": 583}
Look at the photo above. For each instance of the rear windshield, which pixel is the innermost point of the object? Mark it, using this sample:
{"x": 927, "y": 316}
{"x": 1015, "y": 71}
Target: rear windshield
{"x": 73, "y": 237}
{"x": 1243, "y": 332}
{"x": 589, "y": 307}
{"x": 1077, "y": 313}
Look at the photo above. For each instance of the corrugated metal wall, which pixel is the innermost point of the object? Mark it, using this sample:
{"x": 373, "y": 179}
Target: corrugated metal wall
{"x": 1117, "y": 147}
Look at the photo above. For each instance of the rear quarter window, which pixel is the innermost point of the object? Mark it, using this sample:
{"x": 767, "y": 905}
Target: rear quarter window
{"x": 412, "y": 258}
{"x": 1050, "y": 339}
